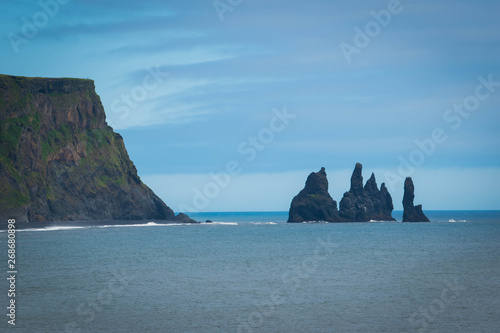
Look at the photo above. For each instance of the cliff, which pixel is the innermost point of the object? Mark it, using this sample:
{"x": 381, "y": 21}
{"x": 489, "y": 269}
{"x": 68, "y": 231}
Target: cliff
{"x": 314, "y": 203}
{"x": 59, "y": 160}
{"x": 411, "y": 213}
{"x": 362, "y": 204}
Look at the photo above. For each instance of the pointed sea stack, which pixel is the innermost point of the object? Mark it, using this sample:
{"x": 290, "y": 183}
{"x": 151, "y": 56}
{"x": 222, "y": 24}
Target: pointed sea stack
{"x": 314, "y": 203}
{"x": 357, "y": 180}
{"x": 363, "y": 204}
{"x": 412, "y": 213}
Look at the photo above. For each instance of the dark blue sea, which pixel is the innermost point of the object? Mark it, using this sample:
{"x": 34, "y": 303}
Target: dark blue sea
{"x": 252, "y": 272}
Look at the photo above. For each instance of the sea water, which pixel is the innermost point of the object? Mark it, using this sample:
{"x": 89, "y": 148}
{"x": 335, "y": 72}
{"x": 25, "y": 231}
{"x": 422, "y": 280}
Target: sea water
{"x": 252, "y": 272}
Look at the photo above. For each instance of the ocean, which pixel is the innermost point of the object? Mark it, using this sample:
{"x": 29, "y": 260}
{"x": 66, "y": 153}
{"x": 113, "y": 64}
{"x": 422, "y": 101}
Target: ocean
{"x": 252, "y": 272}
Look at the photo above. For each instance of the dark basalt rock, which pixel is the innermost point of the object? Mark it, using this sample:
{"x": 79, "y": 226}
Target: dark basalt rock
{"x": 60, "y": 161}
{"x": 357, "y": 180}
{"x": 363, "y": 204}
{"x": 386, "y": 205}
{"x": 314, "y": 203}
{"x": 411, "y": 213}
{"x": 183, "y": 218}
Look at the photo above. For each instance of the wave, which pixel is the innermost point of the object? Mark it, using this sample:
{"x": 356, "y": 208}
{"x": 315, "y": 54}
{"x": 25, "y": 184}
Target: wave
{"x": 310, "y": 222}
{"x": 221, "y": 223}
{"x": 63, "y": 228}
{"x": 55, "y": 228}
{"x": 453, "y": 220}
{"x": 149, "y": 224}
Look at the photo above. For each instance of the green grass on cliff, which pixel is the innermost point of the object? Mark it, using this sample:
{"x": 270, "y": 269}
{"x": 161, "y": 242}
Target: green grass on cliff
{"x": 103, "y": 160}
{"x": 64, "y": 100}
{"x": 27, "y": 149}
{"x": 9, "y": 196}
{"x": 11, "y": 130}
{"x": 56, "y": 139}
{"x": 12, "y": 199}
{"x": 10, "y": 135}
{"x": 7, "y": 164}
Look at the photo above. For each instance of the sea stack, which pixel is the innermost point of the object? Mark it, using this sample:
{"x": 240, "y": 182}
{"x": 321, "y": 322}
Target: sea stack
{"x": 411, "y": 213}
{"x": 368, "y": 203}
{"x": 60, "y": 161}
{"x": 314, "y": 203}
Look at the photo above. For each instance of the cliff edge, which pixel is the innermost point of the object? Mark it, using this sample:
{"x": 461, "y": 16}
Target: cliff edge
{"x": 60, "y": 161}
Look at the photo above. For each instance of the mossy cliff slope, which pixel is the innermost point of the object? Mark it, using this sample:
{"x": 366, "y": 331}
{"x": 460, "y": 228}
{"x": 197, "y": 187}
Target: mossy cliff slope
{"x": 59, "y": 160}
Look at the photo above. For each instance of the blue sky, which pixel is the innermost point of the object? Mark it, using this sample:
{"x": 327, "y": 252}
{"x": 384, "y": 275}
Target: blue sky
{"x": 192, "y": 87}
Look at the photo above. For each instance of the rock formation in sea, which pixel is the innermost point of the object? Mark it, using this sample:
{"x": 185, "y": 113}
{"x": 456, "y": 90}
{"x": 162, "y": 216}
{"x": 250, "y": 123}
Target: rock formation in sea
{"x": 314, "y": 203}
{"x": 411, "y": 213}
{"x": 359, "y": 204}
{"x": 362, "y": 204}
{"x": 59, "y": 160}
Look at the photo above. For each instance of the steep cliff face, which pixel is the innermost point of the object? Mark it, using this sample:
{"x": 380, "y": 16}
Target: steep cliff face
{"x": 362, "y": 204}
{"x": 411, "y": 213}
{"x": 314, "y": 203}
{"x": 59, "y": 160}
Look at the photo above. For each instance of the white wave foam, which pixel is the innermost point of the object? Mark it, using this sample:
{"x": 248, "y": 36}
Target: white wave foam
{"x": 51, "y": 229}
{"x": 311, "y": 222}
{"x": 149, "y": 224}
{"x": 222, "y": 223}
{"x": 263, "y": 223}
{"x": 57, "y": 228}
{"x": 453, "y": 220}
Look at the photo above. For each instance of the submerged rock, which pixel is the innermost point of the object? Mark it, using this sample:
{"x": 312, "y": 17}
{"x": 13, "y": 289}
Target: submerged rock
{"x": 363, "y": 204}
{"x": 314, "y": 203}
{"x": 411, "y": 213}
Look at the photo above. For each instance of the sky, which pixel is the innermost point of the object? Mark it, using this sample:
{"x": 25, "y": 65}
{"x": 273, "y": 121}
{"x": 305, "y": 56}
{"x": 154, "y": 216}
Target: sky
{"x": 228, "y": 105}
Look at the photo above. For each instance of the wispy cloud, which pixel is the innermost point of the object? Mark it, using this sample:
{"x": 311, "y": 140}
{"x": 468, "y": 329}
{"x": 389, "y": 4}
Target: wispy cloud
{"x": 225, "y": 77}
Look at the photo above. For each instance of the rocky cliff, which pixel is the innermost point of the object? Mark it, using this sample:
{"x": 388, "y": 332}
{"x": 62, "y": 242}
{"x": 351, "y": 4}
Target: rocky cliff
{"x": 314, "y": 203}
{"x": 362, "y": 204}
{"x": 59, "y": 160}
{"x": 411, "y": 213}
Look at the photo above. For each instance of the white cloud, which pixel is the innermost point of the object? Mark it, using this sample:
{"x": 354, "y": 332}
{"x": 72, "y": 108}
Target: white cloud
{"x": 146, "y": 115}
